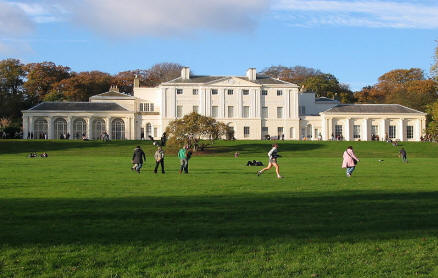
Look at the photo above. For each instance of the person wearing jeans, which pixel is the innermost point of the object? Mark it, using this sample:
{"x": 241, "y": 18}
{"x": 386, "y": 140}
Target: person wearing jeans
{"x": 349, "y": 161}
{"x": 159, "y": 159}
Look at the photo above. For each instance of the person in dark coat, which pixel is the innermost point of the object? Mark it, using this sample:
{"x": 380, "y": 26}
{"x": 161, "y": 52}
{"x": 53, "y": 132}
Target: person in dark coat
{"x": 137, "y": 159}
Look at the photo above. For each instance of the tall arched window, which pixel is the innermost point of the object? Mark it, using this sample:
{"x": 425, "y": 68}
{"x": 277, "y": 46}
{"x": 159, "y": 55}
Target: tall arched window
{"x": 118, "y": 129}
{"x": 148, "y": 130}
{"x": 79, "y": 128}
{"x": 60, "y": 126}
{"x": 40, "y": 129}
{"x": 99, "y": 128}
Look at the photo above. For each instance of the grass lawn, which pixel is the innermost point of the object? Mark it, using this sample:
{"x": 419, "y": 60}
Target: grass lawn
{"x": 83, "y": 213}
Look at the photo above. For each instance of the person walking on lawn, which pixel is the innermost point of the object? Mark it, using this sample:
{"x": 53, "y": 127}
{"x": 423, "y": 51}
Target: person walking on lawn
{"x": 184, "y": 160}
{"x": 137, "y": 159}
{"x": 159, "y": 159}
{"x": 349, "y": 161}
{"x": 273, "y": 155}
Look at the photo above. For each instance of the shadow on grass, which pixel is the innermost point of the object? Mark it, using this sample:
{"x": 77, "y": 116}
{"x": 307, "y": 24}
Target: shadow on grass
{"x": 351, "y": 216}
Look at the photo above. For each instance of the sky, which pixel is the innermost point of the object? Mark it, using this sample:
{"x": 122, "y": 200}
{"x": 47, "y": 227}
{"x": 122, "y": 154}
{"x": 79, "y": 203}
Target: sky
{"x": 357, "y": 40}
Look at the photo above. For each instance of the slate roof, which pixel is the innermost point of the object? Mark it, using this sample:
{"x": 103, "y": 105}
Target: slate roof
{"x": 206, "y": 79}
{"x": 77, "y": 106}
{"x": 112, "y": 94}
{"x": 325, "y": 99}
{"x": 372, "y": 109}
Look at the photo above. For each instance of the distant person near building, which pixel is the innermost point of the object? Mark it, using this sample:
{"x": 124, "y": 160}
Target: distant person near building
{"x": 349, "y": 161}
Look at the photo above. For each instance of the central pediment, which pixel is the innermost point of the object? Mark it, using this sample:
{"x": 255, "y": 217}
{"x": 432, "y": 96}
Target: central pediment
{"x": 233, "y": 82}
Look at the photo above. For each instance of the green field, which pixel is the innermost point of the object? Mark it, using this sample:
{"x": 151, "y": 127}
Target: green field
{"x": 83, "y": 213}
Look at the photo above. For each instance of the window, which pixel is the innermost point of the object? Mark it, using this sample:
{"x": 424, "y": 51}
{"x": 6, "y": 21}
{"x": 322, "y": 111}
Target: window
{"x": 146, "y": 107}
{"x": 99, "y": 128}
{"x": 179, "y": 111}
{"x": 195, "y": 108}
{"x": 392, "y": 131}
{"x": 292, "y": 133}
{"x": 265, "y": 112}
{"x": 40, "y": 129}
{"x": 195, "y": 92}
{"x": 279, "y": 92}
{"x": 409, "y": 132}
{"x": 229, "y": 92}
{"x": 245, "y": 111}
{"x": 245, "y": 92}
{"x": 264, "y": 92}
{"x": 118, "y": 129}
{"x": 302, "y": 110}
{"x": 148, "y": 130}
{"x": 230, "y": 111}
{"x": 179, "y": 91}
{"x": 279, "y": 112}
{"x": 356, "y": 131}
{"x": 60, "y": 128}
{"x": 214, "y": 91}
{"x": 265, "y": 130}
{"x": 374, "y": 130}
{"x": 79, "y": 128}
{"x": 214, "y": 111}
{"x": 338, "y": 131}
{"x": 155, "y": 132}
{"x": 279, "y": 131}
{"x": 246, "y": 131}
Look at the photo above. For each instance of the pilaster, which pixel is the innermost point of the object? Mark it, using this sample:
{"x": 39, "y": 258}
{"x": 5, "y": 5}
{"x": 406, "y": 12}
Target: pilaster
{"x": 365, "y": 129}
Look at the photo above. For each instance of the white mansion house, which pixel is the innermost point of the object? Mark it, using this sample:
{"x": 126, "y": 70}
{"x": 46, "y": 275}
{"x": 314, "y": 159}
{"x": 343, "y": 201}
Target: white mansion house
{"x": 253, "y": 105}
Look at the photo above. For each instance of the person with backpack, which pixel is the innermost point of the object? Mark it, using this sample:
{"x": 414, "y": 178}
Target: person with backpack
{"x": 137, "y": 159}
{"x": 273, "y": 155}
{"x": 349, "y": 161}
{"x": 159, "y": 159}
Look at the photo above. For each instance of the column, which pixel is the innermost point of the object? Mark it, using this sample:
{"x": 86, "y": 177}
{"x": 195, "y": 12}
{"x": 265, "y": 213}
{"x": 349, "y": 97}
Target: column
{"x": 89, "y": 128}
{"x": 382, "y": 132}
{"x": 324, "y": 128}
{"x": 202, "y": 93}
{"x": 108, "y": 126}
{"x": 347, "y": 129}
{"x": 173, "y": 103}
{"x": 239, "y": 104}
{"x": 287, "y": 101}
{"x": 295, "y": 105}
{"x": 128, "y": 122}
{"x": 365, "y": 129}
{"x": 401, "y": 131}
{"x": 417, "y": 130}
{"x": 253, "y": 103}
{"x": 50, "y": 128}
{"x": 207, "y": 102}
{"x": 31, "y": 126}
{"x": 25, "y": 127}
{"x": 221, "y": 108}
{"x": 258, "y": 106}
{"x": 163, "y": 103}
{"x": 313, "y": 133}
{"x": 70, "y": 127}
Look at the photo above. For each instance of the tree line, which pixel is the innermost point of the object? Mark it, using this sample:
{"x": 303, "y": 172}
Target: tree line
{"x": 25, "y": 85}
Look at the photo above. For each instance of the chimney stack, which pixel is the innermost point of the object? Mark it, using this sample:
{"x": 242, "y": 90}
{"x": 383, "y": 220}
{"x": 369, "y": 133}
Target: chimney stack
{"x": 251, "y": 73}
{"x": 136, "y": 81}
{"x": 185, "y": 73}
{"x": 114, "y": 88}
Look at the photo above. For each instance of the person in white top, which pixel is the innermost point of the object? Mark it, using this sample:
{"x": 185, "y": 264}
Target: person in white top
{"x": 273, "y": 155}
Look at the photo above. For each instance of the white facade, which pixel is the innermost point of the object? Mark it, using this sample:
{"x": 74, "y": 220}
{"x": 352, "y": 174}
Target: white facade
{"x": 254, "y": 106}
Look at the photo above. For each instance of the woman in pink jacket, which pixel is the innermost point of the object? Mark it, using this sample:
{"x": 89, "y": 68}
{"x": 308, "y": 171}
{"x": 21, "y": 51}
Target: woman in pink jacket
{"x": 349, "y": 161}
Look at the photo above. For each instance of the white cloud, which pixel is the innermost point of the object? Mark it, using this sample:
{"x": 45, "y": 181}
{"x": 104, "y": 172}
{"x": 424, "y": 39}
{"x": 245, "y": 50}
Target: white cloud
{"x": 366, "y": 13}
{"x": 165, "y": 17}
{"x": 13, "y": 21}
